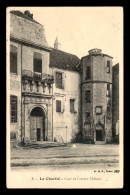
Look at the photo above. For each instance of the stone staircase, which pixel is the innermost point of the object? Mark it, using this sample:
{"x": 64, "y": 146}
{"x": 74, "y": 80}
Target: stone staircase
{"x": 100, "y": 142}
{"x": 42, "y": 144}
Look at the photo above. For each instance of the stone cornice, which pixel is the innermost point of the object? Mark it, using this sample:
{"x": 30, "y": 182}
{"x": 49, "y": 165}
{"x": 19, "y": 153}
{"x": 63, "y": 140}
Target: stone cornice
{"x": 36, "y": 95}
{"x": 26, "y": 42}
{"x": 96, "y": 81}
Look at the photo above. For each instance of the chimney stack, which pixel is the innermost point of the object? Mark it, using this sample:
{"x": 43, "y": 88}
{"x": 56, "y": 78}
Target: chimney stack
{"x": 28, "y": 14}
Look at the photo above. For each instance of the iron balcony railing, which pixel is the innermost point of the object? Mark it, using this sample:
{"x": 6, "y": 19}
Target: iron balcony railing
{"x": 28, "y": 74}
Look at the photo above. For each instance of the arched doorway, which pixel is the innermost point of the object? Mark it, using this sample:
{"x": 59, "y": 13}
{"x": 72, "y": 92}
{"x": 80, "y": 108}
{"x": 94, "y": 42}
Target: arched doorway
{"x": 37, "y": 124}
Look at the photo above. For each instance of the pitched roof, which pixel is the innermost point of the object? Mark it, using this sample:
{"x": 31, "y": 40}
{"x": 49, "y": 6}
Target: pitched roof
{"x": 20, "y": 14}
{"x": 63, "y": 60}
{"x": 115, "y": 68}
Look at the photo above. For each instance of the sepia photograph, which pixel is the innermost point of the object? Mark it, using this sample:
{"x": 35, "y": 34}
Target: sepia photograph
{"x": 64, "y": 68}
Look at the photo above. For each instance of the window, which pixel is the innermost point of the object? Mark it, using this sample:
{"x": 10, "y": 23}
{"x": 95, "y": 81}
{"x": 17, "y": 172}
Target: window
{"x": 72, "y": 105}
{"x": 108, "y": 108}
{"x": 88, "y": 115}
{"x": 58, "y": 106}
{"x": 108, "y": 90}
{"x": 108, "y": 87}
{"x": 37, "y": 62}
{"x": 88, "y": 96}
{"x": 98, "y": 109}
{"x": 59, "y": 82}
{"x": 88, "y": 72}
{"x": 13, "y": 109}
{"x": 13, "y": 59}
{"x": 108, "y": 66}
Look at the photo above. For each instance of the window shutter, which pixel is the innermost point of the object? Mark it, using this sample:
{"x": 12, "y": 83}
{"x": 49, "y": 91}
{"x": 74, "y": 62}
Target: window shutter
{"x": 55, "y": 79}
{"x": 58, "y": 106}
{"x": 62, "y": 80}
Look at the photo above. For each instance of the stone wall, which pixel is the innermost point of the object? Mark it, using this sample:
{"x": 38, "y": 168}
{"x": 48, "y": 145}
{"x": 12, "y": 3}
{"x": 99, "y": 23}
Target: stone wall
{"x": 15, "y": 89}
{"x": 27, "y": 30}
{"x": 27, "y": 59}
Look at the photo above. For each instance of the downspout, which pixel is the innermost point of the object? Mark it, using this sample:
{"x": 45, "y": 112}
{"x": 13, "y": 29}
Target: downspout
{"x": 21, "y": 95}
{"x": 52, "y": 107}
{"x": 24, "y": 119}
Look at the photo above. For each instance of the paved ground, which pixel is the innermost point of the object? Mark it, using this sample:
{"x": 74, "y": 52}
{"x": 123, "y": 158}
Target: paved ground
{"x": 78, "y": 156}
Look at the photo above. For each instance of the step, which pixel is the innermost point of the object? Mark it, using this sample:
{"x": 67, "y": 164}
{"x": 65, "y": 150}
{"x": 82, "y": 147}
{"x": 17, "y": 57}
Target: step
{"x": 100, "y": 142}
{"x": 42, "y": 144}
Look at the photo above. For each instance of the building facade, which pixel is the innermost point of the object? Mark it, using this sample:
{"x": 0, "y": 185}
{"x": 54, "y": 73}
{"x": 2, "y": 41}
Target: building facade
{"x": 55, "y": 96}
{"x": 115, "y": 102}
{"x": 29, "y": 63}
{"x": 96, "y": 86}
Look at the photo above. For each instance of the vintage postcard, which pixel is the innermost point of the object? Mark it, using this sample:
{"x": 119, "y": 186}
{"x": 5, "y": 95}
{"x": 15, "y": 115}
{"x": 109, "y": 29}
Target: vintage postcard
{"x": 64, "y": 97}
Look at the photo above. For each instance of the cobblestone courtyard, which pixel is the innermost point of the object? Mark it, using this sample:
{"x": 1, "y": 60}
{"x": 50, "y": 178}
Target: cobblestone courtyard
{"x": 71, "y": 156}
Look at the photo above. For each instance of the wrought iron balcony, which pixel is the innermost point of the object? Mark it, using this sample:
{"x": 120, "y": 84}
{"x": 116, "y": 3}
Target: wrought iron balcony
{"x": 36, "y": 76}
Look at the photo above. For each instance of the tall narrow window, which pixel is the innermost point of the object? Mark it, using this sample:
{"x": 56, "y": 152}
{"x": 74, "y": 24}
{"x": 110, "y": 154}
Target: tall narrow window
{"x": 13, "y": 59}
{"x": 13, "y": 109}
{"x": 108, "y": 87}
{"x": 88, "y": 96}
{"x": 108, "y": 90}
{"x": 37, "y": 62}
{"x": 58, "y": 106}
{"x": 88, "y": 72}
{"x": 108, "y": 66}
{"x": 108, "y": 109}
{"x": 72, "y": 102}
{"x": 87, "y": 115}
{"x": 59, "y": 80}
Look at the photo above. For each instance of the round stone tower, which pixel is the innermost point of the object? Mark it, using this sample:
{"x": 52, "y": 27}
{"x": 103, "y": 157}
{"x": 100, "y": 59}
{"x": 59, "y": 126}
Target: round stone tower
{"x": 96, "y": 91}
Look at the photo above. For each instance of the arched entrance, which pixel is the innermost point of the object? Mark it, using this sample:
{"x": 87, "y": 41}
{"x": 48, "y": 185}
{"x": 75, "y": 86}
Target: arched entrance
{"x": 37, "y": 124}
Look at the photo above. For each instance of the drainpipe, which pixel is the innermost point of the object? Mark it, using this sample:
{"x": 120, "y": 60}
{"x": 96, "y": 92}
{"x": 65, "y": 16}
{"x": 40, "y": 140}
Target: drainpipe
{"x": 47, "y": 121}
{"x": 66, "y": 134}
{"x": 21, "y": 94}
{"x": 52, "y": 107}
{"x": 24, "y": 119}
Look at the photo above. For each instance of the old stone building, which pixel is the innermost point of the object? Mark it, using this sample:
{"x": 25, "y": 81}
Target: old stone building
{"x": 40, "y": 110}
{"x": 96, "y": 87}
{"x": 115, "y": 102}
{"x": 66, "y": 94}
{"x": 31, "y": 111}
{"x": 55, "y": 96}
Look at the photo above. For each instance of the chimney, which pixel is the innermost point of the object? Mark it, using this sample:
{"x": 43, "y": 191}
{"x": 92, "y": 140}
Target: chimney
{"x": 28, "y": 14}
{"x": 95, "y": 50}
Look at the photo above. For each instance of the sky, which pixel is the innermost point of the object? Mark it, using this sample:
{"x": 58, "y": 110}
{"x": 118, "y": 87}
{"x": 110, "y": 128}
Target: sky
{"x": 80, "y": 29}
